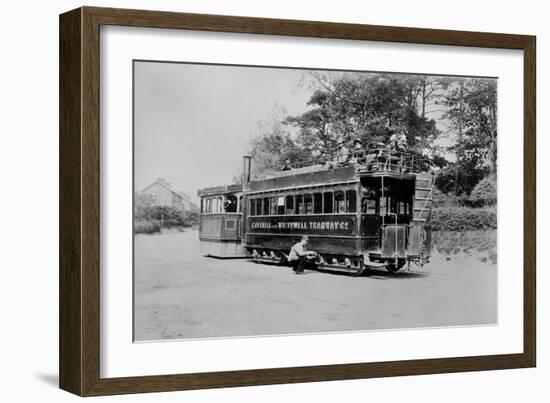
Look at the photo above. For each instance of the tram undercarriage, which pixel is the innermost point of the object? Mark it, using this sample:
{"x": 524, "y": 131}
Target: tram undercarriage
{"x": 354, "y": 265}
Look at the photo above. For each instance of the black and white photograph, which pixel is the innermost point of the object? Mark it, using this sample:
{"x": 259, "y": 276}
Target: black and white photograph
{"x": 275, "y": 200}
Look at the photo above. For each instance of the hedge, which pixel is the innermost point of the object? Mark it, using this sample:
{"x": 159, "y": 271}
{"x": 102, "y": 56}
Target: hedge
{"x": 463, "y": 218}
{"x": 146, "y": 227}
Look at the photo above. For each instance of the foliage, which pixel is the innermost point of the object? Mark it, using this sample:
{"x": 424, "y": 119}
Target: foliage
{"x": 272, "y": 147}
{"x": 442, "y": 199}
{"x": 458, "y": 178}
{"x": 463, "y": 218}
{"x": 146, "y": 227}
{"x": 143, "y": 205}
{"x": 379, "y": 107}
{"x": 150, "y": 218}
{"x": 191, "y": 217}
{"x": 485, "y": 192}
{"x": 372, "y": 107}
{"x": 471, "y": 109}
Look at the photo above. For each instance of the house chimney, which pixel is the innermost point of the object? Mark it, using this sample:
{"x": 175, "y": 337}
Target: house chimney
{"x": 164, "y": 182}
{"x": 246, "y": 168}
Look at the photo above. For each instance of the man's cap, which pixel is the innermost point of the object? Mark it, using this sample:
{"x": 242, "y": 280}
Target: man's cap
{"x": 357, "y": 140}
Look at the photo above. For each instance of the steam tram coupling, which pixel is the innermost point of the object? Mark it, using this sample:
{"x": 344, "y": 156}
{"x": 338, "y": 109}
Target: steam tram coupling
{"x": 374, "y": 213}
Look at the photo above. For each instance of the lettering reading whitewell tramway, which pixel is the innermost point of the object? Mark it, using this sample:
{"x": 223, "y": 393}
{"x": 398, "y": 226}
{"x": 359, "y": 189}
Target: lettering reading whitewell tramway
{"x": 371, "y": 211}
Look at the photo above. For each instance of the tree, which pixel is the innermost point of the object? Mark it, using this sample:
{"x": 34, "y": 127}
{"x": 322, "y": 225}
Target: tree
{"x": 485, "y": 192}
{"x": 143, "y": 204}
{"x": 272, "y": 147}
{"x": 471, "y": 109}
{"x": 369, "y": 106}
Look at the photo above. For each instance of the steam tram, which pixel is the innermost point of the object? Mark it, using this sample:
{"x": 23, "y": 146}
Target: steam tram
{"x": 373, "y": 213}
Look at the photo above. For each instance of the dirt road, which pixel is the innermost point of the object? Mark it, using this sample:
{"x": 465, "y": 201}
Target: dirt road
{"x": 180, "y": 294}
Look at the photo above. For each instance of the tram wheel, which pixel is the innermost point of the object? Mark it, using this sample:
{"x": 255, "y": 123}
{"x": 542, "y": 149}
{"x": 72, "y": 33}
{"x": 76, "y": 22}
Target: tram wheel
{"x": 280, "y": 259}
{"x": 393, "y": 267}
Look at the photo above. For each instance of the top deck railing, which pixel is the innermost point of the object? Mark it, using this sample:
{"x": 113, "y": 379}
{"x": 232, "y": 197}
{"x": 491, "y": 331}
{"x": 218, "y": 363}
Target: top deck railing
{"x": 385, "y": 160}
{"x": 378, "y": 160}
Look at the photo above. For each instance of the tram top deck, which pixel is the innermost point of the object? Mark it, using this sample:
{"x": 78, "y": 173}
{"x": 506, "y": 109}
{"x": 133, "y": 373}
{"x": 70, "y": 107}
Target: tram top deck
{"x": 380, "y": 162}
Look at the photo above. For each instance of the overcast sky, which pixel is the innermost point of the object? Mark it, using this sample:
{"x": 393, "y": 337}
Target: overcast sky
{"x": 193, "y": 122}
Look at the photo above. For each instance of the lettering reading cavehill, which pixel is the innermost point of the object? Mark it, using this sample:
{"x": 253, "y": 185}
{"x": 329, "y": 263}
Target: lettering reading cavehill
{"x": 305, "y": 225}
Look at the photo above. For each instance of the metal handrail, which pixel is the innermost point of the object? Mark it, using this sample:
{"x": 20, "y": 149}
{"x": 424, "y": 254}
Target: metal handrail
{"x": 383, "y": 159}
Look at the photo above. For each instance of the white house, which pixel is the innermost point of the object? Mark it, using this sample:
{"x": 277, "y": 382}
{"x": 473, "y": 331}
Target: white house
{"x": 163, "y": 195}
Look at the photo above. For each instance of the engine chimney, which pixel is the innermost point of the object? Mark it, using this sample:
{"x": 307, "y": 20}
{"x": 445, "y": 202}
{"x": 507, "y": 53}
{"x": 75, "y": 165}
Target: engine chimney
{"x": 246, "y": 168}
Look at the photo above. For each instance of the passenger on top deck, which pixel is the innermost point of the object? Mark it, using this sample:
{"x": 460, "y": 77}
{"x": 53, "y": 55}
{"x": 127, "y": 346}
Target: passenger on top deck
{"x": 322, "y": 158}
{"x": 342, "y": 156}
{"x": 398, "y": 141}
{"x": 358, "y": 155}
{"x": 287, "y": 166}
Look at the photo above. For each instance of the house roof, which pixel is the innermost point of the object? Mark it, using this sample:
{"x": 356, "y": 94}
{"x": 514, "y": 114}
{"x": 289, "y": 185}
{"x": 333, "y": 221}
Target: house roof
{"x": 163, "y": 184}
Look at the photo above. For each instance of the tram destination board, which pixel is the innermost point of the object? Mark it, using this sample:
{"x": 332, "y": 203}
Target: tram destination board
{"x": 341, "y": 225}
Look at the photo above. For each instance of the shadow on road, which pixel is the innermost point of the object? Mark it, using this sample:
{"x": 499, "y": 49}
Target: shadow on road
{"x": 384, "y": 275}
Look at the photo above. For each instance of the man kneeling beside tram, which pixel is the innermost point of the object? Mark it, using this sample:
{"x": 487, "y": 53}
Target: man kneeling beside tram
{"x": 299, "y": 256}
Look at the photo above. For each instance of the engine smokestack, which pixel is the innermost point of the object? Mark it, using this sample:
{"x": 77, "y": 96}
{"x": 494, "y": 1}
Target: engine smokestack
{"x": 246, "y": 168}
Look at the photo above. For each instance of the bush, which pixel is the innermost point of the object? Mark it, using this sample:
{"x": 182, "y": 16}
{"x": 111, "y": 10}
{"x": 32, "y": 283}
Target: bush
{"x": 463, "y": 218}
{"x": 146, "y": 227}
{"x": 485, "y": 192}
{"x": 441, "y": 199}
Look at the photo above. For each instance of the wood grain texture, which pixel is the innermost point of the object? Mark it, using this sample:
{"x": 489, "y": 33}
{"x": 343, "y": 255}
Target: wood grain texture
{"x": 70, "y": 271}
{"x": 80, "y": 201}
{"x": 530, "y": 203}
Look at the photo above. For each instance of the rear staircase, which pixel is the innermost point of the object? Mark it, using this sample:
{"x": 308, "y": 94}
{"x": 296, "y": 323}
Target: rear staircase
{"x": 419, "y": 234}
{"x": 423, "y": 197}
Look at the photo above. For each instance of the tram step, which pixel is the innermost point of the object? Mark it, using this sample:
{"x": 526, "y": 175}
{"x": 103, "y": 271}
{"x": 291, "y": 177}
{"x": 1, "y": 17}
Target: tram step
{"x": 375, "y": 265}
{"x": 266, "y": 260}
{"x": 336, "y": 267}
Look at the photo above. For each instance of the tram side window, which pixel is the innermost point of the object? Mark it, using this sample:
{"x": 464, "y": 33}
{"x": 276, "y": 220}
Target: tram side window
{"x": 299, "y": 209}
{"x": 280, "y": 205}
{"x": 402, "y": 208}
{"x": 328, "y": 203}
{"x": 368, "y": 205}
{"x": 266, "y": 206}
{"x": 351, "y": 201}
{"x": 240, "y": 204}
{"x": 339, "y": 202}
{"x": 216, "y": 205}
{"x": 252, "y": 209}
{"x": 308, "y": 204}
{"x": 290, "y": 205}
{"x": 258, "y": 206}
{"x": 385, "y": 202}
{"x": 318, "y": 203}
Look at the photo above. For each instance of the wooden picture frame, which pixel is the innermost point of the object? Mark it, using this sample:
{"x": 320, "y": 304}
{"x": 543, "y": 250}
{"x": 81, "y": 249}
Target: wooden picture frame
{"x": 79, "y": 348}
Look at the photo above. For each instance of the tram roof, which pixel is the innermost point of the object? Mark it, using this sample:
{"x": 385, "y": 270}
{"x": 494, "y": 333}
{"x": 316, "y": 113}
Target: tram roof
{"x": 220, "y": 190}
{"x": 382, "y": 163}
{"x": 298, "y": 178}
